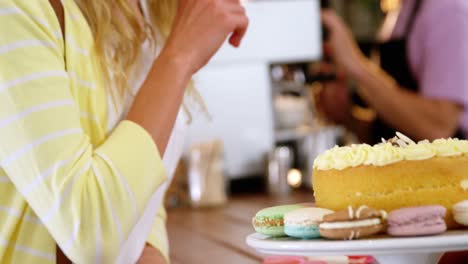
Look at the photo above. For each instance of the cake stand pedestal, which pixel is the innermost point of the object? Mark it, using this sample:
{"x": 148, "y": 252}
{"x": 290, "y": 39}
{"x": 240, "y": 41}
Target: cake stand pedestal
{"x": 387, "y": 250}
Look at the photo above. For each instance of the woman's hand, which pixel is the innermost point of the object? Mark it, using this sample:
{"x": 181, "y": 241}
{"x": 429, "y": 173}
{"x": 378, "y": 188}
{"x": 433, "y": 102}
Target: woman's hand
{"x": 332, "y": 99}
{"x": 341, "y": 45}
{"x": 202, "y": 26}
{"x": 333, "y": 102}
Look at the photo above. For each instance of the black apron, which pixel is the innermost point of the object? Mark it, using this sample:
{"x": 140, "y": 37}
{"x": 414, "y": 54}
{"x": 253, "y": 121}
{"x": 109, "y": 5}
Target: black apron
{"x": 394, "y": 60}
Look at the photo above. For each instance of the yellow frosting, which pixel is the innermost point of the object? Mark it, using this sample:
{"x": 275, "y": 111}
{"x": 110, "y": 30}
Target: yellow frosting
{"x": 446, "y": 147}
{"x": 462, "y": 145}
{"x": 343, "y": 158}
{"x": 384, "y": 154}
{"x": 420, "y": 151}
{"x": 362, "y": 153}
{"x": 325, "y": 162}
{"x": 401, "y": 148}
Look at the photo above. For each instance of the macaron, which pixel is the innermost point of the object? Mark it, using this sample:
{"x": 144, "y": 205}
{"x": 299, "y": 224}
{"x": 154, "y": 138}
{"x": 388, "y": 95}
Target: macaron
{"x": 304, "y": 222}
{"x": 417, "y": 221}
{"x": 353, "y": 223}
{"x": 270, "y": 221}
{"x": 460, "y": 212}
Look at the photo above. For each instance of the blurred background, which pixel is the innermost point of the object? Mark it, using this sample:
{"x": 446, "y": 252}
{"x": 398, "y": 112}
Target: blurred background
{"x": 263, "y": 123}
{"x": 271, "y": 112}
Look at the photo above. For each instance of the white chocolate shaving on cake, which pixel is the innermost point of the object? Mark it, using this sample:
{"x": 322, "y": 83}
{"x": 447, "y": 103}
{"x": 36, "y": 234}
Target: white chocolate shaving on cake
{"x": 350, "y": 212}
{"x": 405, "y": 139}
{"x": 421, "y": 151}
{"x": 389, "y": 151}
{"x": 384, "y": 214}
{"x": 359, "y": 210}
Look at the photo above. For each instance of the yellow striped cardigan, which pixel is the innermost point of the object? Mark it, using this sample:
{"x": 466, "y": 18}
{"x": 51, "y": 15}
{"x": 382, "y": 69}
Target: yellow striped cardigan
{"x": 64, "y": 179}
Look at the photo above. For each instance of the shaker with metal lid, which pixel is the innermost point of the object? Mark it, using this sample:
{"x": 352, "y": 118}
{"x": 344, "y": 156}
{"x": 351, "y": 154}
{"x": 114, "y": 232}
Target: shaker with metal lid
{"x": 280, "y": 161}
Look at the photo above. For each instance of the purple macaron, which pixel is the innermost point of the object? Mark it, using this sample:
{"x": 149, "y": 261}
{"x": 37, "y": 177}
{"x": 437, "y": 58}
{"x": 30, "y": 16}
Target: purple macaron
{"x": 417, "y": 221}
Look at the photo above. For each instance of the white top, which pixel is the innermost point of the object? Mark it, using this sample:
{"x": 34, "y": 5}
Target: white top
{"x": 176, "y": 142}
{"x": 171, "y": 157}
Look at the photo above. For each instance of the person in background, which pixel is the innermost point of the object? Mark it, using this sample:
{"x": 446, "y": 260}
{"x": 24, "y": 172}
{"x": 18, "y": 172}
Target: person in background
{"x": 90, "y": 120}
{"x": 420, "y": 87}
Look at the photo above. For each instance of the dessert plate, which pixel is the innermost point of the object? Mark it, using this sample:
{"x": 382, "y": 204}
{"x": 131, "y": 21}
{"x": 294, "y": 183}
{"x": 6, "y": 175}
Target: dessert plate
{"x": 387, "y": 250}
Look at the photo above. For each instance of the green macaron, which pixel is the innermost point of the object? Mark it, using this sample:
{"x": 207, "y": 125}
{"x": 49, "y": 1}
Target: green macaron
{"x": 270, "y": 221}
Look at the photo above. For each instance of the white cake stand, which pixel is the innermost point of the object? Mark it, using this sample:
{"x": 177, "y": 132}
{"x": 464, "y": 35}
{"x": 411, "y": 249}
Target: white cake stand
{"x": 387, "y": 250}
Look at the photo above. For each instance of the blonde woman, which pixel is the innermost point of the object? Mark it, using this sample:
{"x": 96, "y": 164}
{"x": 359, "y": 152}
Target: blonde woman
{"x": 87, "y": 111}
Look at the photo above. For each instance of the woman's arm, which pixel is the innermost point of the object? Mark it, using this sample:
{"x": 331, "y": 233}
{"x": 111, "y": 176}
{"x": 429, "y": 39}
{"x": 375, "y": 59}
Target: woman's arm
{"x": 90, "y": 197}
{"x": 192, "y": 42}
{"x": 411, "y": 113}
{"x": 200, "y": 28}
{"x": 408, "y": 112}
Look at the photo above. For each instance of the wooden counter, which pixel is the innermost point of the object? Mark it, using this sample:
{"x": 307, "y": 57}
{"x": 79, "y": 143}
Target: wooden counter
{"x": 218, "y": 235}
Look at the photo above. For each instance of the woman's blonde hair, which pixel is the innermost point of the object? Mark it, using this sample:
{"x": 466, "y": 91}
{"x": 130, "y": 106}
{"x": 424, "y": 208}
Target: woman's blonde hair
{"x": 124, "y": 35}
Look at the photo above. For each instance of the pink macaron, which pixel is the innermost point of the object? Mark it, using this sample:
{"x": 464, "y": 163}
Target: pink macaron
{"x": 417, "y": 221}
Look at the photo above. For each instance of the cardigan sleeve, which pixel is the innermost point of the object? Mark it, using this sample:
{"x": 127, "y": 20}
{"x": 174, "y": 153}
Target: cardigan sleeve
{"x": 158, "y": 234}
{"x": 90, "y": 198}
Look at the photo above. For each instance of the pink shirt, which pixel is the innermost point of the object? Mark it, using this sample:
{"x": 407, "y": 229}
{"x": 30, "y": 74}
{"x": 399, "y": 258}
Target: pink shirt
{"x": 438, "y": 50}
